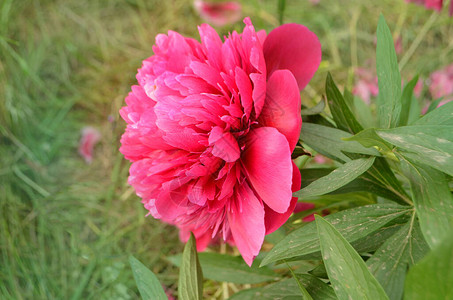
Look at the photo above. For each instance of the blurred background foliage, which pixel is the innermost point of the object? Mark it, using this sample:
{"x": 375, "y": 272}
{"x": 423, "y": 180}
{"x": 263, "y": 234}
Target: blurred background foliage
{"x": 67, "y": 228}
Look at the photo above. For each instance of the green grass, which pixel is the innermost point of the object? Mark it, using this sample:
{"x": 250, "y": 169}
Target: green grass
{"x": 67, "y": 228}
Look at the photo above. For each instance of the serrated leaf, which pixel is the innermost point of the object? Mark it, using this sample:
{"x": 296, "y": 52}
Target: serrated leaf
{"x": 390, "y": 262}
{"x": 287, "y": 289}
{"x": 389, "y": 78}
{"x": 347, "y": 272}
{"x": 190, "y": 285}
{"x": 407, "y": 101}
{"x": 329, "y": 142}
{"x": 222, "y": 267}
{"x": 432, "y": 277}
{"x": 433, "y": 201}
{"x": 147, "y": 283}
{"x": 442, "y": 115}
{"x": 431, "y": 145}
{"x": 342, "y": 114}
{"x": 337, "y": 178}
{"x": 354, "y": 224}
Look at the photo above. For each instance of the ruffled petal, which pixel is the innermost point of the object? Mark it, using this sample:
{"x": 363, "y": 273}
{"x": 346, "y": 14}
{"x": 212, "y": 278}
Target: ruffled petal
{"x": 274, "y": 220}
{"x": 293, "y": 47}
{"x": 282, "y": 106}
{"x": 267, "y": 163}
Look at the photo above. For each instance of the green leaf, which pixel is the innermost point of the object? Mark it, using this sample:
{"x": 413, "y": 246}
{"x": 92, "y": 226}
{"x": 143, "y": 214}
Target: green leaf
{"x": 432, "y": 277}
{"x": 190, "y": 284}
{"x": 360, "y": 184}
{"x": 329, "y": 142}
{"x": 442, "y": 115}
{"x": 433, "y": 201}
{"x": 302, "y": 289}
{"x": 354, "y": 224}
{"x": 281, "y": 10}
{"x": 317, "y": 288}
{"x": 222, "y": 267}
{"x": 408, "y": 101}
{"x": 317, "y": 109}
{"x": 337, "y": 178}
{"x": 147, "y": 283}
{"x": 288, "y": 289}
{"x": 390, "y": 262}
{"x": 369, "y": 138}
{"x": 347, "y": 272}
{"x": 433, "y": 105}
{"x": 381, "y": 173}
{"x": 363, "y": 113}
{"x": 389, "y": 78}
{"x": 376, "y": 239}
{"x": 342, "y": 114}
{"x": 431, "y": 145}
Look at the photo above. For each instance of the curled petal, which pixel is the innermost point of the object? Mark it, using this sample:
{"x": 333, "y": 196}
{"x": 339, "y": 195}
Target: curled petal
{"x": 293, "y": 47}
{"x": 267, "y": 162}
{"x": 274, "y": 220}
{"x": 282, "y": 106}
{"x": 246, "y": 219}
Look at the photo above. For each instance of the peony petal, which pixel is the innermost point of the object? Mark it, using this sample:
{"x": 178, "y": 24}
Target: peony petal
{"x": 225, "y": 145}
{"x": 274, "y": 220}
{"x": 171, "y": 203}
{"x": 293, "y": 47}
{"x": 282, "y": 106}
{"x": 246, "y": 221}
{"x": 267, "y": 163}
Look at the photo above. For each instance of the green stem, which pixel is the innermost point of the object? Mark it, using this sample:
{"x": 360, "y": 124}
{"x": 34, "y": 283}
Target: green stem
{"x": 418, "y": 39}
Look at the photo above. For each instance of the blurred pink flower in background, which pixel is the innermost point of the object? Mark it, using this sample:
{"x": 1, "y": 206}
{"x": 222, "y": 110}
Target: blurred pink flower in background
{"x": 90, "y": 137}
{"x": 211, "y": 128}
{"x": 432, "y": 4}
{"x": 443, "y": 102}
{"x": 366, "y": 85}
{"x": 418, "y": 88}
{"x": 219, "y": 13}
{"x": 314, "y": 2}
{"x": 442, "y": 82}
{"x": 398, "y": 42}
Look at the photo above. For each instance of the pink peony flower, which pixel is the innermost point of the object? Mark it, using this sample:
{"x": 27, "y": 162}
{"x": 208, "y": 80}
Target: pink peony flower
{"x": 90, "y": 137}
{"x": 219, "y": 13}
{"x": 433, "y": 4}
{"x": 211, "y": 127}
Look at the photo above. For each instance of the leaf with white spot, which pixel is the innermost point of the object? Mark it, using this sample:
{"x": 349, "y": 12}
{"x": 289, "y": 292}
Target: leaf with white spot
{"x": 347, "y": 272}
{"x": 354, "y": 224}
{"x": 337, "y": 178}
{"x": 432, "y": 199}
{"x": 390, "y": 262}
{"x": 431, "y": 145}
